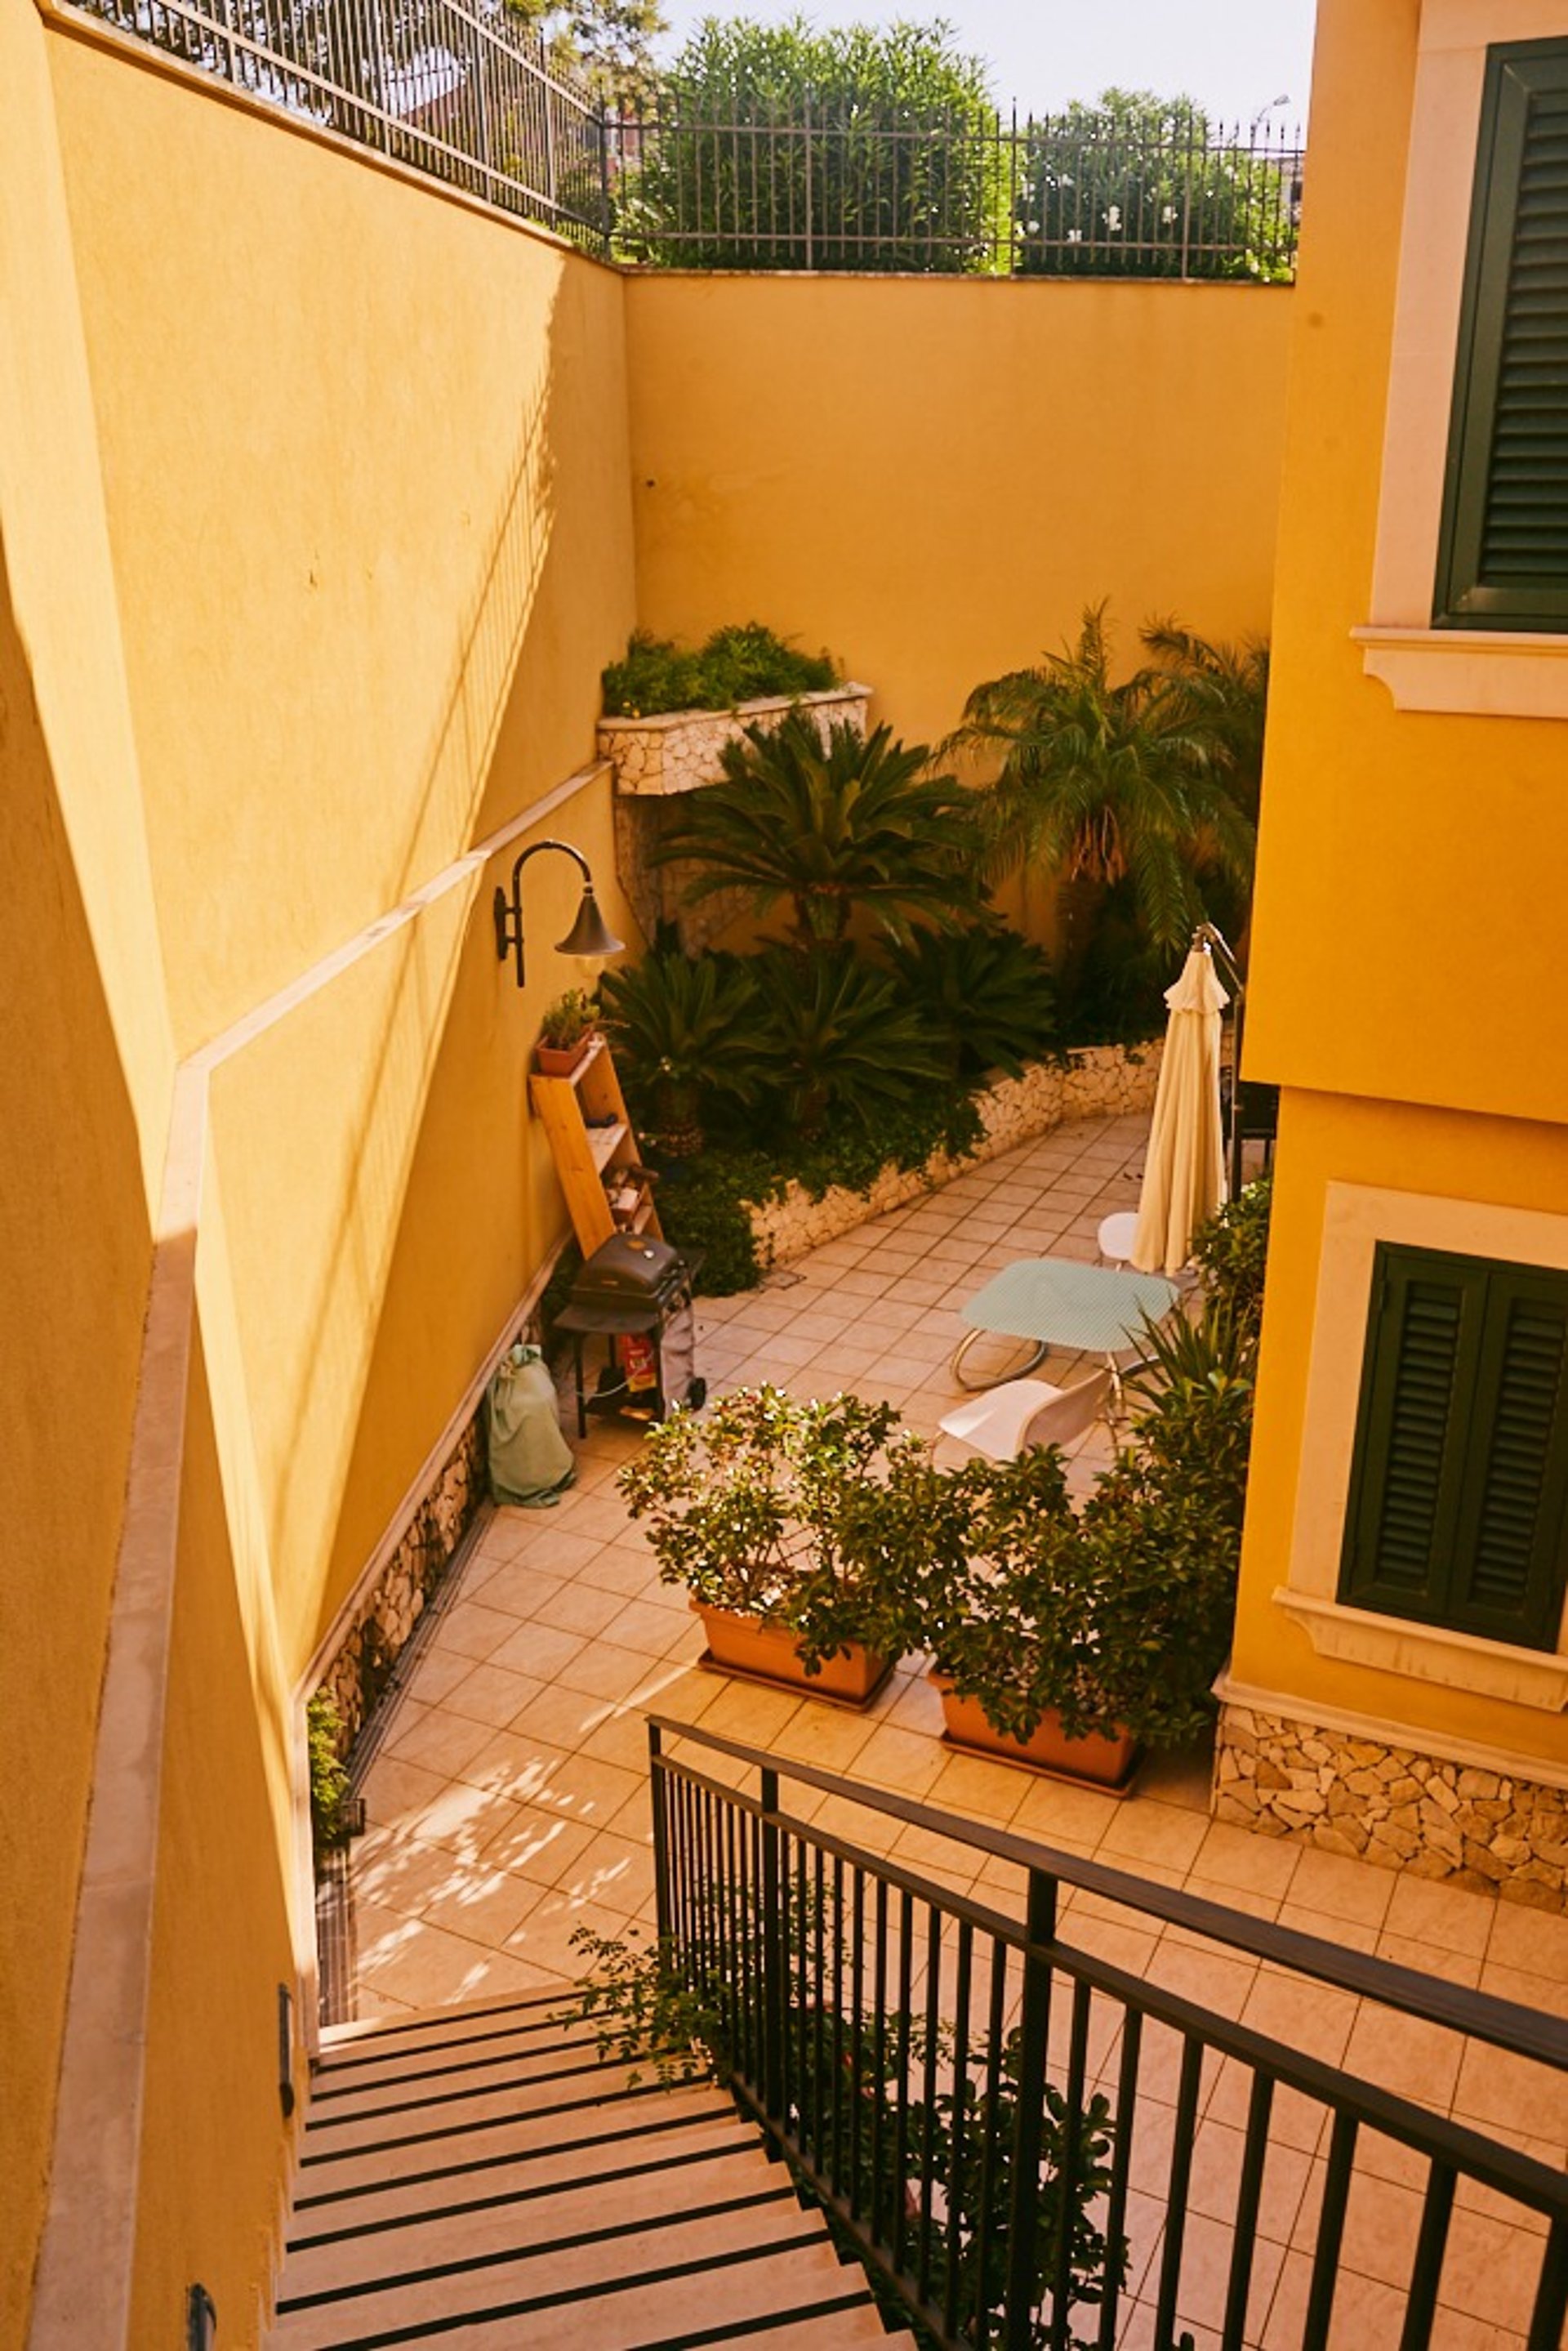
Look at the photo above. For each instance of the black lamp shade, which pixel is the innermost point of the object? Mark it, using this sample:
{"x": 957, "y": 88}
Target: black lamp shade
{"x": 589, "y": 934}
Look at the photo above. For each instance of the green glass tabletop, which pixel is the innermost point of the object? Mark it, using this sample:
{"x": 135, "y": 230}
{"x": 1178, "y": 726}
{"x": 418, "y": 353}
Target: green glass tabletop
{"x": 1067, "y": 1304}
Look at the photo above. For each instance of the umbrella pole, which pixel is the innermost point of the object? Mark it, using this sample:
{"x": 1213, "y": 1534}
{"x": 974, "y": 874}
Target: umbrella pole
{"x": 1210, "y": 935}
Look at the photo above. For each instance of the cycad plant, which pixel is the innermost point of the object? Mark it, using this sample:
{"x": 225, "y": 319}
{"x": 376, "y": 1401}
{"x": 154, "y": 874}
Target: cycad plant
{"x": 832, "y": 827}
{"x": 834, "y": 1039}
{"x": 1104, "y": 780}
{"x": 986, "y": 995}
{"x": 688, "y": 1028}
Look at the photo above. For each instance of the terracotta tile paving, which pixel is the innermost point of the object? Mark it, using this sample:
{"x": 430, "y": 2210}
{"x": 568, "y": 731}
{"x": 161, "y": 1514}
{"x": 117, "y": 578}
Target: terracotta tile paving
{"x": 508, "y": 1803}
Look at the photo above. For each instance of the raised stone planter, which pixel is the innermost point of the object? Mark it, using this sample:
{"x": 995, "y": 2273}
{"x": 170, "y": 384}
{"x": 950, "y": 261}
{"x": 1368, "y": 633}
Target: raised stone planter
{"x": 656, "y": 759}
{"x": 1097, "y": 1082}
{"x": 1493, "y": 1831}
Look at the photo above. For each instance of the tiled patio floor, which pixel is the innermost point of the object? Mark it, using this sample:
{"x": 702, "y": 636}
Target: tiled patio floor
{"x": 508, "y": 1804}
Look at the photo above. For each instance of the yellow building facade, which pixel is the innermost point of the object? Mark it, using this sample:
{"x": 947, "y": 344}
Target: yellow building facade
{"x": 1400, "y": 1668}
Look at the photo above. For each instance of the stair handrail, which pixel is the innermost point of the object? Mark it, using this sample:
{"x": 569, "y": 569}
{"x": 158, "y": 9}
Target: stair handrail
{"x": 1502, "y": 2023}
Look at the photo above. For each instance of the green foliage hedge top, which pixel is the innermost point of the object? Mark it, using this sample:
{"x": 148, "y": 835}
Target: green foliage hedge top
{"x": 741, "y": 664}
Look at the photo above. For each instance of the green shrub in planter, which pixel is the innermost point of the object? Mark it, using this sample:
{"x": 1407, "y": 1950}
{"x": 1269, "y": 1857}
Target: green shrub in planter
{"x": 745, "y": 663}
{"x": 787, "y": 1512}
{"x": 690, "y": 1028}
{"x": 986, "y": 993}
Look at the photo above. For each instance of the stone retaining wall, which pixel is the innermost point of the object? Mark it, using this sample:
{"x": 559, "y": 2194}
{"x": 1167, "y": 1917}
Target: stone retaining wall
{"x": 1488, "y": 1830}
{"x": 386, "y": 1614}
{"x": 655, "y": 760}
{"x": 1097, "y": 1082}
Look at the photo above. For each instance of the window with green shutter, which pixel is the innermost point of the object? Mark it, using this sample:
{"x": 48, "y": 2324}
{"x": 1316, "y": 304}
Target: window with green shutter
{"x": 1459, "y": 1495}
{"x": 1503, "y": 553}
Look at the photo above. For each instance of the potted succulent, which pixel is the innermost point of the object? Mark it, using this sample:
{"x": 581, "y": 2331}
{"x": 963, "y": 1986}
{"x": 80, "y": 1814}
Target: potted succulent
{"x": 1071, "y": 1639}
{"x": 566, "y": 1032}
{"x": 792, "y": 1527}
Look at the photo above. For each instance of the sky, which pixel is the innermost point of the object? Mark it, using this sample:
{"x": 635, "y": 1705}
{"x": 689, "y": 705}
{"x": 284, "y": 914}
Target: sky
{"x": 1236, "y": 58}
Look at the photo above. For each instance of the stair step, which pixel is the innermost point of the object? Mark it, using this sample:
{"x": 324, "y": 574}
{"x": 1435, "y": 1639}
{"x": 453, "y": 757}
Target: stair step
{"x": 495, "y": 2095}
{"x": 386, "y": 2032}
{"x": 489, "y": 2039}
{"x": 518, "y": 2164}
{"x": 697, "y": 2270}
{"x": 471, "y": 2065}
{"x": 427, "y": 2142}
{"x": 708, "y": 2176}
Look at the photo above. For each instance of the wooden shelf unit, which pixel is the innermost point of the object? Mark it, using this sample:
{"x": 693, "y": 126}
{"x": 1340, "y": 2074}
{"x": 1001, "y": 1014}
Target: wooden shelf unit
{"x": 584, "y": 1121}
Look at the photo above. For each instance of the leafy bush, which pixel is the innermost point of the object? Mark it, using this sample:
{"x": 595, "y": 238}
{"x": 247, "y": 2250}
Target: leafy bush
{"x": 834, "y": 1039}
{"x": 858, "y": 147}
{"x": 739, "y": 663}
{"x": 988, "y": 993}
{"x": 1141, "y": 186}
{"x": 783, "y": 1511}
{"x": 1231, "y": 1251}
{"x": 851, "y": 823}
{"x": 689, "y": 1029}
{"x": 568, "y": 1018}
{"x": 331, "y": 1799}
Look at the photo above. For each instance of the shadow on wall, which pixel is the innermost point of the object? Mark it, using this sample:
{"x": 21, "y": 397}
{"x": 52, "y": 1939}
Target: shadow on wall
{"x": 77, "y": 1249}
{"x": 340, "y": 1090}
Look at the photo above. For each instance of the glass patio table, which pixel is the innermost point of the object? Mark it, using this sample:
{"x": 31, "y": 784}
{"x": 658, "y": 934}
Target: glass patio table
{"x": 1054, "y": 1301}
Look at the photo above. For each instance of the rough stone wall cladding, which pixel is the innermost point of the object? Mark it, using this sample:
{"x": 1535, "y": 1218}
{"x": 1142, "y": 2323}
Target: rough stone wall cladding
{"x": 387, "y": 1615}
{"x": 1486, "y": 1830}
{"x": 1099, "y": 1081}
{"x": 656, "y": 759}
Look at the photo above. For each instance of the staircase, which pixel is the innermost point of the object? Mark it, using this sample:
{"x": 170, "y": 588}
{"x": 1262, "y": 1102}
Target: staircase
{"x": 478, "y": 2176}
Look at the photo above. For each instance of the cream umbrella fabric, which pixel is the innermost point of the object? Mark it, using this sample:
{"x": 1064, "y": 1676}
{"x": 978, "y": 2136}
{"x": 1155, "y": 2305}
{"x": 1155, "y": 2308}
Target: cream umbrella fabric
{"x": 1184, "y": 1173}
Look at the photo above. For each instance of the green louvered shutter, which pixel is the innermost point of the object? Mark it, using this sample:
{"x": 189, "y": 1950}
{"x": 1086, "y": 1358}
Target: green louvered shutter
{"x": 1503, "y": 558}
{"x": 1507, "y": 1565}
{"x": 1423, "y": 1344}
{"x": 1459, "y": 1500}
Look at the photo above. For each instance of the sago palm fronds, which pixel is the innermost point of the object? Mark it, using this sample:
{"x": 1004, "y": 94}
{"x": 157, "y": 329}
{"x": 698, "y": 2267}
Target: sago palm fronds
{"x": 852, "y": 824}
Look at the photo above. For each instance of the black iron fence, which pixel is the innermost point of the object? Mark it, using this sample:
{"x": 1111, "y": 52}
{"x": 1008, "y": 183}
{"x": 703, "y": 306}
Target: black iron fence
{"x": 973, "y": 193}
{"x": 463, "y": 92}
{"x": 462, "y": 89}
{"x": 1020, "y": 2139}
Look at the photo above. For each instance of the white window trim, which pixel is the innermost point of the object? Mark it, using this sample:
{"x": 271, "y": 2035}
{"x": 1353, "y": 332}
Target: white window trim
{"x": 1356, "y": 1218}
{"x": 1503, "y": 673}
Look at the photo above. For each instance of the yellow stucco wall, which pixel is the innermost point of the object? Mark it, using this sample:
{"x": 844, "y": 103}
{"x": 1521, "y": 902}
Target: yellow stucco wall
{"x": 933, "y": 477}
{"x": 366, "y": 455}
{"x": 1408, "y": 938}
{"x": 1511, "y": 1164}
{"x": 1406, "y": 971}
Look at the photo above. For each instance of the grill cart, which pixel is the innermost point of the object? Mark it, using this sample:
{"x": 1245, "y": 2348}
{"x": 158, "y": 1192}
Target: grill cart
{"x": 635, "y": 1292}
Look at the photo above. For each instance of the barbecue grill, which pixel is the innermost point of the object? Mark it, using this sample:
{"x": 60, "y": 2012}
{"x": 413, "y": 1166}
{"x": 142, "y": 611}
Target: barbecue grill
{"x": 635, "y": 1292}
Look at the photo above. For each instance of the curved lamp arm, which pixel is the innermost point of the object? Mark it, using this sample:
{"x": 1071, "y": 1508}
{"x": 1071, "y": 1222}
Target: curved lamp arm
{"x": 589, "y": 936}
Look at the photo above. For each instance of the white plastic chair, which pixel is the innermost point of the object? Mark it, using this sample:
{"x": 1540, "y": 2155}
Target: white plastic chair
{"x": 1022, "y": 1413}
{"x": 1116, "y": 1235}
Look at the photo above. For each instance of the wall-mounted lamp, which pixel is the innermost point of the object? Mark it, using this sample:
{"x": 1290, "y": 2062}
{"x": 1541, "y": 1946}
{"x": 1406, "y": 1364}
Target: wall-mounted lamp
{"x": 200, "y": 2319}
{"x": 589, "y": 934}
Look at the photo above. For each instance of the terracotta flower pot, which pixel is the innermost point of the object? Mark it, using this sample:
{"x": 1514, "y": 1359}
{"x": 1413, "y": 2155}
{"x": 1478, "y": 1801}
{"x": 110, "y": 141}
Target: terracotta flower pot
{"x": 749, "y": 1645}
{"x": 1095, "y": 1760}
{"x": 560, "y": 1060}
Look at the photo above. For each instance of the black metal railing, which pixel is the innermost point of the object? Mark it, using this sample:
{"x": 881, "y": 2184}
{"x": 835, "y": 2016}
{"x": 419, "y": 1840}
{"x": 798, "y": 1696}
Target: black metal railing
{"x": 467, "y": 93}
{"x": 973, "y": 193}
{"x": 1020, "y": 2139}
{"x": 454, "y": 88}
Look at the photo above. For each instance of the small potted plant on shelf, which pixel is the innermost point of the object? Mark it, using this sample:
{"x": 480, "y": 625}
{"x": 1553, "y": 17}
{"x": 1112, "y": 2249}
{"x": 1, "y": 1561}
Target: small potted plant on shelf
{"x": 795, "y": 1528}
{"x": 566, "y": 1032}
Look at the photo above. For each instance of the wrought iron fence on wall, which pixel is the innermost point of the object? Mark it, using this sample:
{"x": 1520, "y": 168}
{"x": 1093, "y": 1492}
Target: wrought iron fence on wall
{"x": 464, "y": 92}
{"x": 969, "y": 193}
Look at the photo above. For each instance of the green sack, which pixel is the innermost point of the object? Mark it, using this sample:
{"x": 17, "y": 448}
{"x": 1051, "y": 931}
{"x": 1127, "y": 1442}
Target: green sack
{"x": 530, "y": 1461}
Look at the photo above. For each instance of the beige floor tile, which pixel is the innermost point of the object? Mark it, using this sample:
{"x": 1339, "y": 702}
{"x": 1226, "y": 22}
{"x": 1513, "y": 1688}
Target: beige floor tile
{"x": 1248, "y": 1862}
{"x": 1351, "y": 1890}
{"x": 441, "y": 1739}
{"x": 1534, "y": 1941}
{"x": 473, "y": 1630}
{"x": 604, "y": 1671}
{"x": 490, "y": 1694}
{"x": 536, "y": 1650}
{"x": 1403, "y": 2053}
{"x": 1143, "y": 1831}
{"x": 1441, "y": 1917}
{"x": 650, "y": 1630}
{"x": 539, "y": 1845}
{"x": 562, "y": 1717}
{"x": 516, "y": 1765}
{"x": 427, "y": 1967}
{"x": 485, "y": 1905}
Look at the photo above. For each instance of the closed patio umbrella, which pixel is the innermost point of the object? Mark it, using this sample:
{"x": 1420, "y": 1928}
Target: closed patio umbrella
{"x": 1184, "y": 1173}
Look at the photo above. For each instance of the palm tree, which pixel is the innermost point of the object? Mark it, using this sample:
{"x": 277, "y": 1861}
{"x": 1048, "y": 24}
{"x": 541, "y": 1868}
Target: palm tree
{"x": 834, "y": 1038}
{"x": 1107, "y": 782}
{"x": 689, "y": 1027}
{"x": 1220, "y": 691}
{"x": 854, "y": 823}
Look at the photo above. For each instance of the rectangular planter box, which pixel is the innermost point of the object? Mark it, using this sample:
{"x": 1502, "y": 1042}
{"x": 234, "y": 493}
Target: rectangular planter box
{"x": 763, "y": 1652}
{"x": 1094, "y": 1763}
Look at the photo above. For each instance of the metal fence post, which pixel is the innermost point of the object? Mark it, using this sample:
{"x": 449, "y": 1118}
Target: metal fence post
{"x": 1028, "y": 2129}
{"x": 774, "y": 1955}
{"x": 810, "y": 260}
{"x": 662, "y": 1908}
